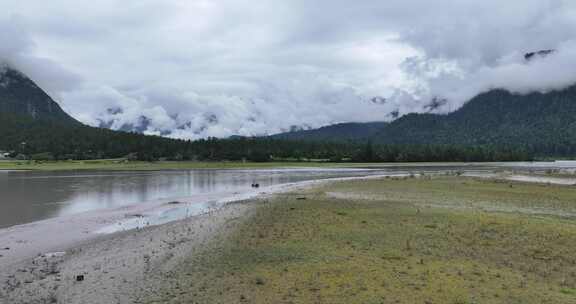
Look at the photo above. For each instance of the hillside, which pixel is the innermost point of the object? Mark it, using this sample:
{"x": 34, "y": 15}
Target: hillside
{"x": 540, "y": 122}
{"x": 33, "y": 126}
{"x": 50, "y": 139}
{"x": 341, "y": 132}
{"x": 19, "y": 95}
{"x": 32, "y": 123}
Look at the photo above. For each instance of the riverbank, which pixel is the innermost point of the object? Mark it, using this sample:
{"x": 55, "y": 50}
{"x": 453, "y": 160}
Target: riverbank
{"x": 49, "y": 252}
{"x": 114, "y": 268}
{"x": 431, "y": 239}
{"x": 547, "y": 168}
{"x": 419, "y": 240}
{"x": 122, "y": 164}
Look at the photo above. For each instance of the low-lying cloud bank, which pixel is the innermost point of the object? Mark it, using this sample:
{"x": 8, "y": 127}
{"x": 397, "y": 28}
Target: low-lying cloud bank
{"x": 193, "y": 69}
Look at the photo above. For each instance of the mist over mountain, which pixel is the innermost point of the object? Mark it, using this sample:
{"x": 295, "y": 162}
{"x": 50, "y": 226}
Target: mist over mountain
{"x": 34, "y": 127}
{"x": 197, "y": 69}
{"x": 542, "y": 122}
{"x": 494, "y": 126}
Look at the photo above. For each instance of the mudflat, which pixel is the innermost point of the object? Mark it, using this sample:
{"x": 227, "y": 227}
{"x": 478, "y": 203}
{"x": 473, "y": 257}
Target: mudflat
{"x": 441, "y": 239}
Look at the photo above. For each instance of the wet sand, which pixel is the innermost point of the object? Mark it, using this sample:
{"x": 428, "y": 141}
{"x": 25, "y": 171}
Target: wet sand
{"x": 116, "y": 268}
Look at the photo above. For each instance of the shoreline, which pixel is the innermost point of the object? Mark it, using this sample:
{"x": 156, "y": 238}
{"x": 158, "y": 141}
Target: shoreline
{"x": 117, "y": 165}
{"x": 45, "y": 257}
{"x": 440, "y": 239}
{"x": 60, "y": 233}
{"x": 114, "y": 268}
{"x": 26, "y": 241}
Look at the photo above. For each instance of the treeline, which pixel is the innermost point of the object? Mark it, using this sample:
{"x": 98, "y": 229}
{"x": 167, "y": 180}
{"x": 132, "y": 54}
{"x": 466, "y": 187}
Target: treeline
{"x": 262, "y": 150}
{"x": 440, "y": 153}
{"x": 48, "y": 140}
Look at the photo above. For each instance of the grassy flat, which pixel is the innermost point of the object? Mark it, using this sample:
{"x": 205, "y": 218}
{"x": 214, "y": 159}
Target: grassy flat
{"x": 120, "y": 164}
{"x": 425, "y": 240}
{"x": 140, "y": 165}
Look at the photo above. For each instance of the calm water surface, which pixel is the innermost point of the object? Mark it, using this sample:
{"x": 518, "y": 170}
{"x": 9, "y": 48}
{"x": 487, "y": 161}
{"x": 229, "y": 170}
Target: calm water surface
{"x": 27, "y": 196}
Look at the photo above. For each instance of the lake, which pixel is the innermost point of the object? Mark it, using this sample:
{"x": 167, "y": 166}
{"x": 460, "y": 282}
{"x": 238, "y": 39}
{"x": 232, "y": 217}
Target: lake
{"x": 28, "y": 196}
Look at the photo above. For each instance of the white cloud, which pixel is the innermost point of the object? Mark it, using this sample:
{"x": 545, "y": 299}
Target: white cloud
{"x": 217, "y": 68}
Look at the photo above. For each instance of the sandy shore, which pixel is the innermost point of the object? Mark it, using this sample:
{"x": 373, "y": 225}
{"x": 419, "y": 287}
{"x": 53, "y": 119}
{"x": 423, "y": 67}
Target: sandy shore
{"x": 117, "y": 251}
{"x": 23, "y": 242}
{"x": 116, "y": 268}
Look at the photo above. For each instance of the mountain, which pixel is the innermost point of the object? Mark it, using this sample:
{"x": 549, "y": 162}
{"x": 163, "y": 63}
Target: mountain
{"x": 33, "y": 126}
{"x": 495, "y": 117}
{"x": 541, "y": 122}
{"x": 538, "y": 122}
{"x": 340, "y": 132}
{"x": 19, "y": 95}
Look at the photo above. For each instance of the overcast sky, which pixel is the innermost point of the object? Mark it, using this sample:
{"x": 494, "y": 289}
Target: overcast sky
{"x": 216, "y": 68}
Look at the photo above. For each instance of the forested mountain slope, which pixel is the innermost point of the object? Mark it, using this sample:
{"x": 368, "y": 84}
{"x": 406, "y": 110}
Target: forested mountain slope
{"x": 541, "y": 122}
{"x": 33, "y": 126}
{"x": 19, "y": 95}
{"x": 545, "y": 122}
{"x": 340, "y": 132}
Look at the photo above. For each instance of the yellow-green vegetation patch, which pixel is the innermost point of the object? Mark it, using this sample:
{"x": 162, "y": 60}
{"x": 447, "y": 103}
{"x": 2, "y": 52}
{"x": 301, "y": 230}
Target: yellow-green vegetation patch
{"x": 390, "y": 249}
{"x": 461, "y": 192}
{"x": 123, "y": 164}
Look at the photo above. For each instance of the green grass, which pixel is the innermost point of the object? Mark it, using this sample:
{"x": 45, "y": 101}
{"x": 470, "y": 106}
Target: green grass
{"x": 139, "y": 165}
{"x": 121, "y": 164}
{"x": 407, "y": 241}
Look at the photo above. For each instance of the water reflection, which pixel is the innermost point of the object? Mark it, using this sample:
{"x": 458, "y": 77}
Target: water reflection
{"x": 31, "y": 196}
